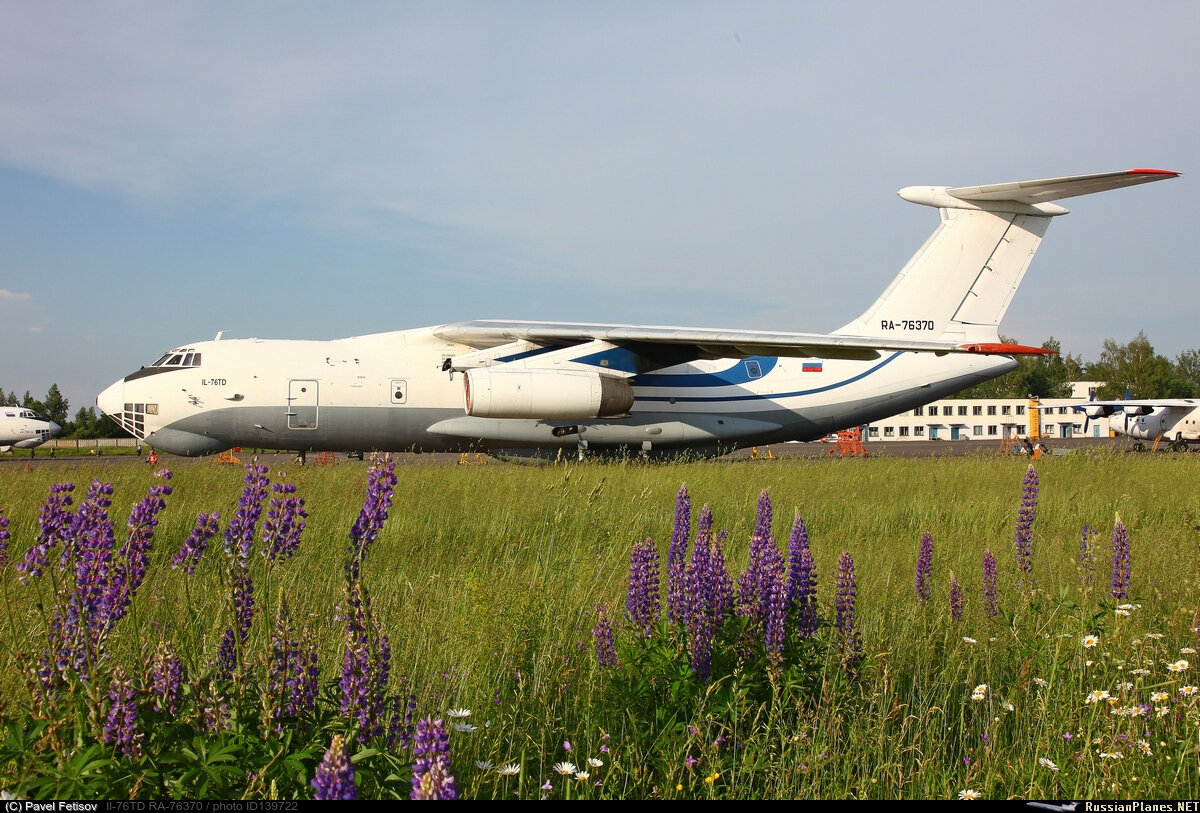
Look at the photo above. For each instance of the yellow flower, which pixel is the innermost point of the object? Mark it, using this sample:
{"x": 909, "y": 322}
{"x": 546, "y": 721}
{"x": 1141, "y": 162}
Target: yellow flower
{"x": 1090, "y": 641}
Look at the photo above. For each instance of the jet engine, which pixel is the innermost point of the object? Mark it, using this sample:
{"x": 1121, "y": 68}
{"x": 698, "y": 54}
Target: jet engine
{"x": 524, "y": 393}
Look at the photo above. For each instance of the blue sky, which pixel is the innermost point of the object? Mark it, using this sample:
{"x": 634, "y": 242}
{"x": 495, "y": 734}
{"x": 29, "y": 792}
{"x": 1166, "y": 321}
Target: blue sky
{"x": 314, "y": 170}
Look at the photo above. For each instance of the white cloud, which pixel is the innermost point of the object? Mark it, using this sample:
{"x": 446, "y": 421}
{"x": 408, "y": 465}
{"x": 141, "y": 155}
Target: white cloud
{"x": 13, "y": 296}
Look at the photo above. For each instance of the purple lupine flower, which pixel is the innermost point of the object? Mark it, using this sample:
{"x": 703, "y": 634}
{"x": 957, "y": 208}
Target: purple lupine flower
{"x": 991, "y": 594}
{"x": 120, "y": 727}
{"x": 212, "y": 707}
{"x": 227, "y": 659}
{"x": 291, "y": 681}
{"x": 366, "y": 666}
{"x": 166, "y": 678}
{"x": 956, "y": 599}
{"x": 925, "y": 567}
{"x": 701, "y": 613}
{"x": 53, "y": 524}
{"x": 643, "y": 603}
{"x": 847, "y": 592}
{"x": 334, "y": 778}
{"x": 4, "y": 537}
{"x": 1122, "y": 560}
{"x": 88, "y": 613}
{"x": 381, "y": 484}
{"x": 806, "y": 596}
{"x": 131, "y": 559}
{"x": 431, "y": 777}
{"x": 677, "y": 554}
{"x": 1023, "y": 540}
{"x": 239, "y": 533}
{"x": 400, "y": 730}
{"x": 774, "y": 618}
{"x": 606, "y": 651}
{"x": 197, "y": 542}
{"x": 797, "y": 544}
{"x": 755, "y": 580}
{"x": 284, "y": 523}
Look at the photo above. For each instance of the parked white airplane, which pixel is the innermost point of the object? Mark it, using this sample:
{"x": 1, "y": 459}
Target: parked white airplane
{"x": 22, "y": 428}
{"x": 1175, "y": 420}
{"x": 497, "y": 385}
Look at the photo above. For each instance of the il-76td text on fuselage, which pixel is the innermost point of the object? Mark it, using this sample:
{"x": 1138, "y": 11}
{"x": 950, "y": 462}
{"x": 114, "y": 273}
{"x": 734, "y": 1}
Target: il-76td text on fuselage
{"x": 607, "y": 388}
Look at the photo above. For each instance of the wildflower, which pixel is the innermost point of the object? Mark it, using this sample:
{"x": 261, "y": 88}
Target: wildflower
{"x": 1122, "y": 562}
{"x": 925, "y": 567}
{"x": 334, "y": 778}
{"x": 567, "y": 746}
{"x": 677, "y": 555}
{"x": 1040, "y": 682}
{"x": 1154, "y": 636}
{"x": 1097, "y": 695}
{"x": 1090, "y": 641}
{"x": 969, "y": 794}
{"x": 1178, "y": 666}
{"x": 547, "y": 787}
{"x": 464, "y": 728}
{"x": 1023, "y": 540}
{"x": 583, "y": 775}
{"x": 458, "y": 714}
{"x": 565, "y": 768}
{"x": 1121, "y": 612}
{"x": 1009, "y": 707}
{"x": 4, "y": 537}
{"x": 956, "y": 599}
{"x": 991, "y": 600}
{"x": 595, "y": 763}
{"x": 197, "y": 542}
{"x": 1111, "y": 755}
{"x": 1139, "y": 672}
{"x": 1144, "y": 747}
{"x": 121, "y": 722}
{"x": 846, "y": 592}
{"x": 431, "y": 777}
{"x": 643, "y": 603}
{"x": 1045, "y": 763}
{"x": 512, "y": 769}
{"x": 1188, "y": 691}
{"x": 484, "y": 765}
{"x": 1187, "y": 650}
{"x": 602, "y": 633}
{"x": 711, "y": 778}
{"x": 1159, "y": 697}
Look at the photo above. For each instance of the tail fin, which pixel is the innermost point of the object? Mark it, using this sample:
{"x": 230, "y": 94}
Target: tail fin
{"x": 958, "y": 286}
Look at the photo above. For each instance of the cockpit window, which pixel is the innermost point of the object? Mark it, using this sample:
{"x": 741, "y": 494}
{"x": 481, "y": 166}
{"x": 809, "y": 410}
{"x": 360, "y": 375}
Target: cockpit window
{"x": 183, "y": 357}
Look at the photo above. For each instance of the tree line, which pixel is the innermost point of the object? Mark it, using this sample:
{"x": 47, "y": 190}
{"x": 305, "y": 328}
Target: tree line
{"x": 1132, "y": 367}
{"x": 86, "y": 424}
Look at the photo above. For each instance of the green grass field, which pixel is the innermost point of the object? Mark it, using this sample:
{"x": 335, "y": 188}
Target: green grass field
{"x": 485, "y": 578}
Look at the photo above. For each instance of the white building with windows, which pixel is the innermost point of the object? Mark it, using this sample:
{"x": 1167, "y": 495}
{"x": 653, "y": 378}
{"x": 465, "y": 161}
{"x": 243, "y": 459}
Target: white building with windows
{"x": 993, "y": 419}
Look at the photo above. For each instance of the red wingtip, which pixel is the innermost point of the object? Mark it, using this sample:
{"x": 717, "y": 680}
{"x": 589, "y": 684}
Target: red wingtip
{"x": 1007, "y": 350}
{"x": 1151, "y": 172}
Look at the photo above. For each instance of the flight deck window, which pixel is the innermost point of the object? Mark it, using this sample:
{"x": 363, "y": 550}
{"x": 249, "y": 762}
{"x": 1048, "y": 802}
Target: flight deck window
{"x": 174, "y": 362}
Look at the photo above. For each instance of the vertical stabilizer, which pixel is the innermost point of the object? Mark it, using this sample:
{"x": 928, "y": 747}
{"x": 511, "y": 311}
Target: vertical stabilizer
{"x": 958, "y": 286}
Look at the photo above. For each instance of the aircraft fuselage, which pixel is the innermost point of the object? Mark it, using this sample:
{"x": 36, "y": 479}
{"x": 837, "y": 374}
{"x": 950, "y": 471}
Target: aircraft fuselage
{"x": 390, "y": 392}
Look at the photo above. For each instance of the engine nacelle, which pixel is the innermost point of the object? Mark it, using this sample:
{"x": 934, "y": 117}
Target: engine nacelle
{"x": 1099, "y": 411}
{"x": 500, "y": 393}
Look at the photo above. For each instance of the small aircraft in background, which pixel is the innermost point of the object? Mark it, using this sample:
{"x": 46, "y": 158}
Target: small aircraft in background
{"x": 1174, "y": 420}
{"x": 22, "y": 428}
{"x": 536, "y": 388}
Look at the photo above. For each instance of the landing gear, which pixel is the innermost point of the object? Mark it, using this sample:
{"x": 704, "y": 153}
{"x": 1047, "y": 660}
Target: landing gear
{"x": 301, "y": 457}
{"x": 1139, "y": 447}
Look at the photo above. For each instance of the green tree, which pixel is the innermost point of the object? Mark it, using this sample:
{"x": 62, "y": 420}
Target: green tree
{"x": 1137, "y": 368}
{"x": 56, "y": 407}
{"x": 1187, "y": 372}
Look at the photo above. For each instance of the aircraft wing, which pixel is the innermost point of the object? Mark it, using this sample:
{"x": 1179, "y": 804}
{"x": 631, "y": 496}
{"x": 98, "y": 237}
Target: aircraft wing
{"x": 1047, "y": 189}
{"x": 1151, "y": 403}
{"x": 685, "y": 343}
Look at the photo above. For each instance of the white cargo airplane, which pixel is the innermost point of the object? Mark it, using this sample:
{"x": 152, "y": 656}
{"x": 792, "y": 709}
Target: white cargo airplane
{"x": 22, "y": 428}
{"x": 537, "y": 387}
{"x": 1175, "y": 420}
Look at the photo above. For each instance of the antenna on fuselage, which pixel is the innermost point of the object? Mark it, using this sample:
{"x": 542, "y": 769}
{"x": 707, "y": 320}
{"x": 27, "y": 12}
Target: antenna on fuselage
{"x": 217, "y": 338}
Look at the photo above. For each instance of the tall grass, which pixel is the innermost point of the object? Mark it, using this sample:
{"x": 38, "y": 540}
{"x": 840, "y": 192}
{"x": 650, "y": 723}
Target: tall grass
{"x": 485, "y": 580}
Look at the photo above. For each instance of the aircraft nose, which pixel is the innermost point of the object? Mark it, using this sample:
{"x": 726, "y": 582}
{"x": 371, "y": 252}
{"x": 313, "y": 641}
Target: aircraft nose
{"x": 54, "y": 428}
{"x": 112, "y": 401}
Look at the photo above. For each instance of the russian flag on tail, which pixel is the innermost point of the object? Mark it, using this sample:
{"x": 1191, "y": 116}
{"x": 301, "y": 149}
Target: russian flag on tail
{"x": 812, "y": 367}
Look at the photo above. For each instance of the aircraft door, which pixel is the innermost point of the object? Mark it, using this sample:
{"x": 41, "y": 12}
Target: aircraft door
{"x": 302, "y": 404}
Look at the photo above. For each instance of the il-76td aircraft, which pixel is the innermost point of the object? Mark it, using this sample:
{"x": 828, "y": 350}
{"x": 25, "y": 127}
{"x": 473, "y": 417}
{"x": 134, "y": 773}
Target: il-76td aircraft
{"x": 549, "y": 386}
{"x": 22, "y": 428}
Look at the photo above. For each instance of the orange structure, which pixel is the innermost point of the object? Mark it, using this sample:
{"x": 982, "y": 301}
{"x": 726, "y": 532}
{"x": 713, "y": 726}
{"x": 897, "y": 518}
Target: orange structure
{"x": 849, "y": 442}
